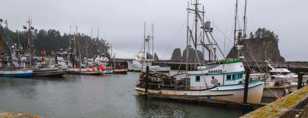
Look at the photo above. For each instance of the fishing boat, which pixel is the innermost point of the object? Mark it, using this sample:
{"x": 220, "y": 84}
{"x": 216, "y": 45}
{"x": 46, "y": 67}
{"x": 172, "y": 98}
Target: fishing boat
{"x": 139, "y": 65}
{"x": 278, "y": 81}
{"x": 77, "y": 71}
{"x": 17, "y": 73}
{"x": 146, "y": 57}
{"x": 120, "y": 71}
{"x": 49, "y": 72}
{"x": 6, "y": 55}
{"x": 220, "y": 80}
{"x": 108, "y": 69}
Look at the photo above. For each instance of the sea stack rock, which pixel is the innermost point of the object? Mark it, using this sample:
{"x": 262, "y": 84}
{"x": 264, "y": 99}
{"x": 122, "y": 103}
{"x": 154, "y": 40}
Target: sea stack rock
{"x": 191, "y": 58}
{"x": 260, "y": 46}
{"x": 176, "y": 55}
{"x": 192, "y": 55}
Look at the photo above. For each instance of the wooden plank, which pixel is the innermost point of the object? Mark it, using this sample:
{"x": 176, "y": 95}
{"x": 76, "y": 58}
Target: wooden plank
{"x": 282, "y": 106}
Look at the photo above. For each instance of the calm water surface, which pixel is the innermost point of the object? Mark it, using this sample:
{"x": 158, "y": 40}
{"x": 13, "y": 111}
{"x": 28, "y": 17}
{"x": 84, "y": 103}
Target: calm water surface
{"x": 95, "y": 97}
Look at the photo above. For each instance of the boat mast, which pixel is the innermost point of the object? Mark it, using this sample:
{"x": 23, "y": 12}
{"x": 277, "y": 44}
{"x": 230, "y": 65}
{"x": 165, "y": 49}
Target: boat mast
{"x": 144, "y": 41}
{"x": 235, "y": 24}
{"x": 187, "y": 36}
{"x": 30, "y": 46}
{"x": 196, "y": 22}
{"x": 153, "y": 42}
{"x": 245, "y": 20}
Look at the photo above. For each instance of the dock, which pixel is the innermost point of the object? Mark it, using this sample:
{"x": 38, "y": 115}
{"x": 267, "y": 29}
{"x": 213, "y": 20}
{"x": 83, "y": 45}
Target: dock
{"x": 18, "y": 115}
{"x": 294, "y": 105}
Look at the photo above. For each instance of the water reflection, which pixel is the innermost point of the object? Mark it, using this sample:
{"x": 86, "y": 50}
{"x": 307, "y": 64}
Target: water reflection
{"x": 151, "y": 108}
{"x": 154, "y": 108}
{"x": 109, "y": 96}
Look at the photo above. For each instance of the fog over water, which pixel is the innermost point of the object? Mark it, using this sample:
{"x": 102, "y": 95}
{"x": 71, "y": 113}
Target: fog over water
{"x": 121, "y": 21}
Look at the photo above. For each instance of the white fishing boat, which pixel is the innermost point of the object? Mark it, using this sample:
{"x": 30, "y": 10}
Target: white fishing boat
{"x": 138, "y": 66}
{"x": 281, "y": 76}
{"x": 220, "y": 81}
{"x": 146, "y": 57}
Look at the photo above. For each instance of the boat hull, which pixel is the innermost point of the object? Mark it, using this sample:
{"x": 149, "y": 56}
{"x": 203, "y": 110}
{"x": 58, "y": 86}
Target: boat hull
{"x": 120, "y": 71}
{"x": 84, "y": 73}
{"x": 49, "y": 73}
{"x": 222, "y": 94}
{"x": 17, "y": 73}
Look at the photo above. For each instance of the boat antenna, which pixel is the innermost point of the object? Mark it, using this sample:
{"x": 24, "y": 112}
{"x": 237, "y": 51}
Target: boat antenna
{"x": 196, "y": 4}
{"x": 235, "y": 24}
{"x": 245, "y": 19}
{"x": 144, "y": 41}
{"x": 97, "y": 33}
{"x": 30, "y": 28}
{"x": 153, "y": 42}
{"x": 187, "y": 36}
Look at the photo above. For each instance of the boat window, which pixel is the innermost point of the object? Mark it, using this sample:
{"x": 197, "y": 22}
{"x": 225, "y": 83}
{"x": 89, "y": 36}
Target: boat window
{"x": 233, "y": 77}
{"x": 240, "y": 76}
{"x": 197, "y": 78}
{"x": 228, "y": 77}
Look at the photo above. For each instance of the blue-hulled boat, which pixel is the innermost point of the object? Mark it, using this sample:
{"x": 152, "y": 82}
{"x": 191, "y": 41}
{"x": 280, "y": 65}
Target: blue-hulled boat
{"x": 22, "y": 73}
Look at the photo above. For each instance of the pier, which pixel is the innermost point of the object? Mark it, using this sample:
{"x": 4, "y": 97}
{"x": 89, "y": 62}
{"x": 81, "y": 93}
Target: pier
{"x": 18, "y": 115}
{"x": 294, "y": 105}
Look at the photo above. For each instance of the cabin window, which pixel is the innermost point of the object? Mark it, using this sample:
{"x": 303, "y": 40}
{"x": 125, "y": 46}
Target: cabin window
{"x": 197, "y": 78}
{"x": 229, "y": 77}
{"x": 233, "y": 77}
{"x": 240, "y": 76}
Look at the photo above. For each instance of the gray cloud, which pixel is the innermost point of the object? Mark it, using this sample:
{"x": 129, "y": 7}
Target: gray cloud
{"x": 121, "y": 21}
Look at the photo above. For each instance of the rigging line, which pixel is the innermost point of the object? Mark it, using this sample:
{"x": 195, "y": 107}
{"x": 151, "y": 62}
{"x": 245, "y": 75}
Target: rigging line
{"x": 217, "y": 46}
{"x": 208, "y": 48}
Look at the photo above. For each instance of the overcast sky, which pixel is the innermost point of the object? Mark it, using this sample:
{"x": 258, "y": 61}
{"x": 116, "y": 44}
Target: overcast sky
{"x": 121, "y": 21}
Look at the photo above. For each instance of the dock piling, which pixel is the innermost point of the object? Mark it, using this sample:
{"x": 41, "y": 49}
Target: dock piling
{"x": 300, "y": 80}
{"x": 246, "y": 87}
{"x": 146, "y": 80}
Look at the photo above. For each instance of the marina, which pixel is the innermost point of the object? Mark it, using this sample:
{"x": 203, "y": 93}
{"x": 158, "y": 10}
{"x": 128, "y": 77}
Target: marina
{"x": 244, "y": 70}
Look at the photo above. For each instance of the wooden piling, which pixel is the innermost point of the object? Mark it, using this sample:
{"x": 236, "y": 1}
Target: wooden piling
{"x": 300, "y": 80}
{"x": 246, "y": 84}
{"x": 146, "y": 80}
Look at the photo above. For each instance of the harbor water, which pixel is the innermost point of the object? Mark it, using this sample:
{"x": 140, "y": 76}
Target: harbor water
{"x": 108, "y": 96}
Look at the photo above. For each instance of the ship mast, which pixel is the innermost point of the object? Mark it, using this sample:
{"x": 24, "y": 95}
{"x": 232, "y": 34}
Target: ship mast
{"x": 239, "y": 33}
{"x": 245, "y": 20}
{"x": 235, "y": 24}
{"x": 30, "y": 45}
{"x": 207, "y": 40}
{"x": 196, "y": 4}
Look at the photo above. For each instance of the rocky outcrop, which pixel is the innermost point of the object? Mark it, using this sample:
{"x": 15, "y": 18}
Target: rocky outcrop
{"x": 261, "y": 46}
{"x": 176, "y": 55}
{"x": 192, "y": 57}
{"x": 156, "y": 57}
